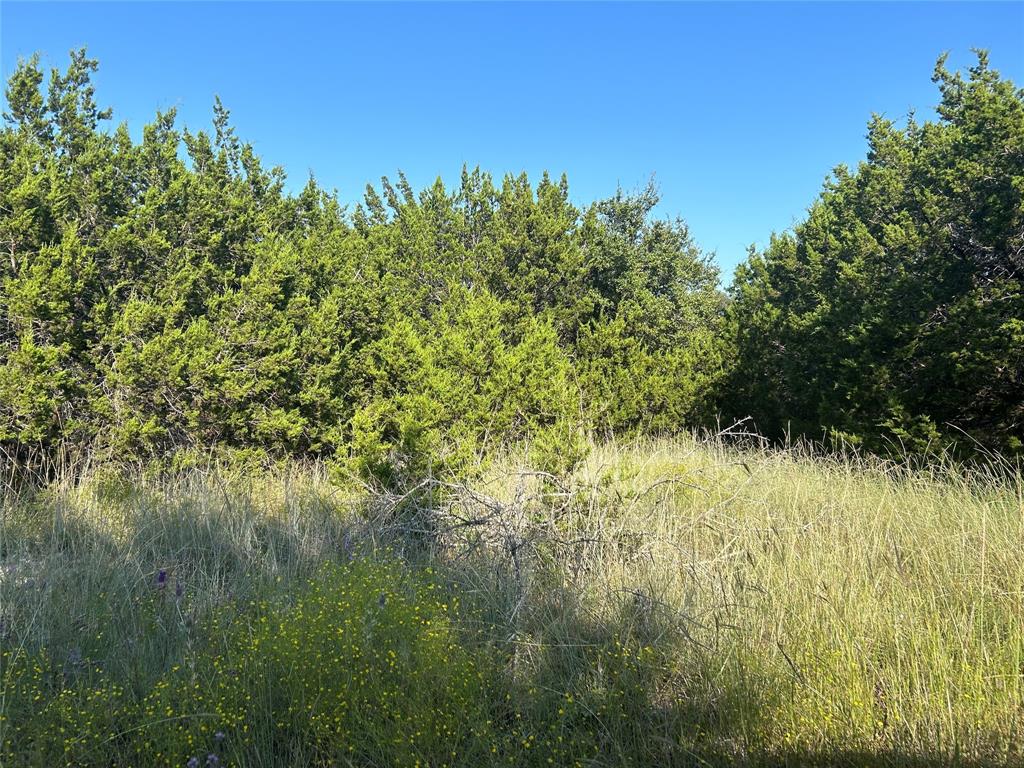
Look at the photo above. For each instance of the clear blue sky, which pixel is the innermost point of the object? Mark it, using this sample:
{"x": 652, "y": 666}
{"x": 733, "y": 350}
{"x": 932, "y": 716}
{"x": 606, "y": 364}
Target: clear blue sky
{"x": 740, "y": 110}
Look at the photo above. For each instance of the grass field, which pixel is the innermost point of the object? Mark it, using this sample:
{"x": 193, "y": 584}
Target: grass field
{"x": 670, "y": 603}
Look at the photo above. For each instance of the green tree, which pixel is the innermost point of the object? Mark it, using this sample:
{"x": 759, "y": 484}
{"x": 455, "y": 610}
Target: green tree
{"x": 166, "y": 298}
{"x": 891, "y": 317}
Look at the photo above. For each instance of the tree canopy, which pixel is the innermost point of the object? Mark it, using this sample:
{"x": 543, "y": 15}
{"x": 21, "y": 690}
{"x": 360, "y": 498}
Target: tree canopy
{"x": 167, "y": 298}
{"x": 893, "y": 316}
{"x": 163, "y": 298}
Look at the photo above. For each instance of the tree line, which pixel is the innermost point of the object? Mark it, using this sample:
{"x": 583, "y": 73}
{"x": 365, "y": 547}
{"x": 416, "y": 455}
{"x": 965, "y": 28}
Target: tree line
{"x": 167, "y": 298}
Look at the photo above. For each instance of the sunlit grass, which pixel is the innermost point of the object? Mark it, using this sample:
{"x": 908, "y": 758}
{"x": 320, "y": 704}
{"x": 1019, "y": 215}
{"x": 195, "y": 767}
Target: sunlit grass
{"x": 671, "y": 603}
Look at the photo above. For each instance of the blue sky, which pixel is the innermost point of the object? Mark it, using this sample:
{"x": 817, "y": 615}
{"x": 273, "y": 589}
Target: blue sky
{"x": 739, "y": 110}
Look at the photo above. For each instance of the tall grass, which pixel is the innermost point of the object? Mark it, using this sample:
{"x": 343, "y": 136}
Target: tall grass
{"x": 670, "y": 603}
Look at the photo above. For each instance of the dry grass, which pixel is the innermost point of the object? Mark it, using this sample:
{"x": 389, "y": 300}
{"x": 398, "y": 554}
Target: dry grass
{"x": 694, "y": 604}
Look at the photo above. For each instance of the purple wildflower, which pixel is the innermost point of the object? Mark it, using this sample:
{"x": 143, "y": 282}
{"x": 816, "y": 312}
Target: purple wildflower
{"x": 212, "y": 760}
{"x": 193, "y": 762}
{"x": 219, "y": 736}
{"x": 179, "y": 590}
{"x": 161, "y": 578}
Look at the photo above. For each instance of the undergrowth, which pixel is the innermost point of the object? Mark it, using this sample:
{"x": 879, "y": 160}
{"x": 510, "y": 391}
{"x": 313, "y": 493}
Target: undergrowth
{"x": 668, "y": 603}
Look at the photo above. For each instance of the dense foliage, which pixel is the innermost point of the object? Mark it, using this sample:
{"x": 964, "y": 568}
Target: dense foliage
{"x": 164, "y": 298}
{"x": 894, "y": 315}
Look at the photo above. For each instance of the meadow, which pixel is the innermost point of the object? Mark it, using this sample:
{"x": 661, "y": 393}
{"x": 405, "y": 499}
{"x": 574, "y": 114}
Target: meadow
{"x": 668, "y": 602}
